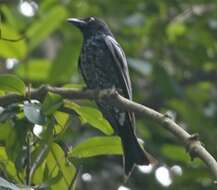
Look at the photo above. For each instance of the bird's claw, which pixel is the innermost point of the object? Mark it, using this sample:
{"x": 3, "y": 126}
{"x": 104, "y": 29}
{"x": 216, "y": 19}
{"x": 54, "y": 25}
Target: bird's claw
{"x": 193, "y": 140}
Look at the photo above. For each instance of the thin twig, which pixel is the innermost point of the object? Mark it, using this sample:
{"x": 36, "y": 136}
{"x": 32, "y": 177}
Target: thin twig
{"x": 74, "y": 179}
{"x": 38, "y": 160}
{"x": 28, "y": 159}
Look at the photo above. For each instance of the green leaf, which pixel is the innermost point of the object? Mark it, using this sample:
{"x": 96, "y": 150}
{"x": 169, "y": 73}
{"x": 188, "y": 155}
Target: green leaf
{"x": 34, "y": 114}
{"x": 62, "y": 119}
{"x": 6, "y": 164}
{"x": 97, "y": 146}
{"x": 56, "y": 163}
{"x": 16, "y": 141}
{"x": 9, "y": 112}
{"x": 202, "y": 89}
{"x": 8, "y": 14}
{"x": 175, "y": 29}
{"x": 37, "y": 176}
{"x": 34, "y": 69}
{"x": 5, "y": 129}
{"x": 91, "y": 116}
{"x": 174, "y": 152}
{"x": 15, "y": 49}
{"x": 51, "y": 103}
{"x": 49, "y": 22}
{"x": 12, "y": 83}
{"x": 12, "y": 144}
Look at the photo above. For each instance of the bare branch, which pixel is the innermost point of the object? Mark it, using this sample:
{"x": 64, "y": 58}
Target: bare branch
{"x": 41, "y": 92}
{"x": 192, "y": 143}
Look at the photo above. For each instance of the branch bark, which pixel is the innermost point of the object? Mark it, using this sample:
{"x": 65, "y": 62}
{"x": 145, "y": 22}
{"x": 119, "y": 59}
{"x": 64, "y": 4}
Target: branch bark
{"x": 190, "y": 142}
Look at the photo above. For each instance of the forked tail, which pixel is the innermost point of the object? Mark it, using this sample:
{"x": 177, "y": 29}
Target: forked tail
{"x": 134, "y": 154}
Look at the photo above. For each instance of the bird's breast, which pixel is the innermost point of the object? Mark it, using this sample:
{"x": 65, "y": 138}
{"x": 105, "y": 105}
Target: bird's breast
{"x": 97, "y": 64}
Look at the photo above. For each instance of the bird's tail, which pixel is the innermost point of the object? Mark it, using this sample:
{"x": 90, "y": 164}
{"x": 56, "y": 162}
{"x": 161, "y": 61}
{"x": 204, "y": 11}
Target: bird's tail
{"x": 134, "y": 154}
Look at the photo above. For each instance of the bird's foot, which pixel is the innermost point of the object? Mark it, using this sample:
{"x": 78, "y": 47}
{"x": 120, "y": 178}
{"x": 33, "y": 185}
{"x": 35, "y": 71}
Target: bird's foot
{"x": 192, "y": 143}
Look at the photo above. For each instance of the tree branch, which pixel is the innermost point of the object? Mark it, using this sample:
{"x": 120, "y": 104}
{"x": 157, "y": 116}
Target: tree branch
{"x": 191, "y": 142}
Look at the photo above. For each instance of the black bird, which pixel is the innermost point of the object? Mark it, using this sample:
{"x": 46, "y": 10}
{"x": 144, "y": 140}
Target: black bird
{"x": 103, "y": 65}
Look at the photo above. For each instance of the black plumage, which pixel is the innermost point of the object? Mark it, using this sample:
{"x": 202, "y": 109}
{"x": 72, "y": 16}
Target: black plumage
{"x": 103, "y": 65}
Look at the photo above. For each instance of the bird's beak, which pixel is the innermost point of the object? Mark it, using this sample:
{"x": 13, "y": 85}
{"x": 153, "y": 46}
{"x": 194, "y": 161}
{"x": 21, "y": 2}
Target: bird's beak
{"x": 77, "y": 22}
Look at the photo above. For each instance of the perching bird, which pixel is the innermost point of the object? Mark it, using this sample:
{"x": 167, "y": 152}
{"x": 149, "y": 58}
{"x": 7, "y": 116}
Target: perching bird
{"x": 103, "y": 65}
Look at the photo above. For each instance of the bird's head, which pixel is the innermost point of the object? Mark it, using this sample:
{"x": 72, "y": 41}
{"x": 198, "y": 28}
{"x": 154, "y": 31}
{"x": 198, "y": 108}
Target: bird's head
{"x": 90, "y": 26}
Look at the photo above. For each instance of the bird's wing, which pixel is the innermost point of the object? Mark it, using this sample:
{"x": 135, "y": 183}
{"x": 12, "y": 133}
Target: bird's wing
{"x": 121, "y": 62}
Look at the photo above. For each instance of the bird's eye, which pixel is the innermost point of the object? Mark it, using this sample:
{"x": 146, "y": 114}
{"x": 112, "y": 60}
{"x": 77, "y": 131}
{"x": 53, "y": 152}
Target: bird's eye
{"x": 91, "y": 19}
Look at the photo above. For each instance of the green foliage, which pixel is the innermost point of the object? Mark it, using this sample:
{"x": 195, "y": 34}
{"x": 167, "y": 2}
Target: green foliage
{"x": 174, "y": 152}
{"x": 64, "y": 65}
{"x": 96, "y": 146}
{"x": 175, "y": 29}
{"x": 56, "y": 164}
{"x": 36, "y": 69}
{"x": 61, "y": 119}
{"x": 7, "y": 165}
{"x": 45, "y": 25}
{"x": 51, "y": 103}
{"x": 171, "y": 50}
{"x": 9, "y": 112}
{"x": 11, "y": 83}
{"x": 34, "y": 114}
{"x": 91, "y": 116}
{"x": 17, "y": 49}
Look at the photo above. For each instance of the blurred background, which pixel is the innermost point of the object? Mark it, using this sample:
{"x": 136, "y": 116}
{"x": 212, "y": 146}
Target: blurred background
{"x": 171, "y": 48}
